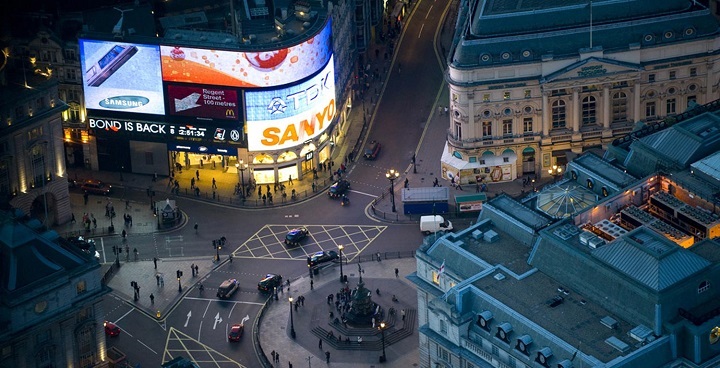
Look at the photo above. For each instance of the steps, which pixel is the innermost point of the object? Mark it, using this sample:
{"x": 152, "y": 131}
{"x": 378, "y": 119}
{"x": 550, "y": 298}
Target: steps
{"x": 392, "y": 334}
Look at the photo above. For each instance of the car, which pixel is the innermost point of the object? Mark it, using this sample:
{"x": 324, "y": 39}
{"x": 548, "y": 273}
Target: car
{"x": 82, "y": 242}
{"x": 270, "y": 282}
{"x": 236, "y": 332}
{"x": 339, "y": 188}
{"x": 111, "y": 329}
{"x": 295, "y": 236}
{"x": 322, "y": 257}
{"x": 72, "y": 183}
{"x": 227, "y": 288}
{"x": 93, "y": 186}
{"x": 372, "y": 150}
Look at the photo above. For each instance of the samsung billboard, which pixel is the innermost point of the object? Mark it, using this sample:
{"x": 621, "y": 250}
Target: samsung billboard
{"x": 121, "y": 76}
{"x": 286, "y": 117}
{"x": 247, "y": 69}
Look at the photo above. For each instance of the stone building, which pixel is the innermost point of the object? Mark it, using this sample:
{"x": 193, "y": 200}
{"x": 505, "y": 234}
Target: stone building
{"x": 533, "y": 85}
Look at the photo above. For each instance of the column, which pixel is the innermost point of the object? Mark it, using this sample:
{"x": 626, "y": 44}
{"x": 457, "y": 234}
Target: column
{"x": 606, "y": 106}
{"x": 636, "y": 101}
{"x": 708, "y": 84}
{"x": 576, "y": 109}
{"x": 469, "y": 131}
{"x": 545, "y": 113}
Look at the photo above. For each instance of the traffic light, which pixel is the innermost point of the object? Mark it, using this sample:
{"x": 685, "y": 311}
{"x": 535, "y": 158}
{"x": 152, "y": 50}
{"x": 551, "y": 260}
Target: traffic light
{"x": 179, "y": 274}
{"x": 114, "y": 249}
{"x": 214, "y": 243}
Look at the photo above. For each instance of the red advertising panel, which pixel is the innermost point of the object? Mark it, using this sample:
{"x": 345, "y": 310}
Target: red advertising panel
{"x": 203, "y": 102}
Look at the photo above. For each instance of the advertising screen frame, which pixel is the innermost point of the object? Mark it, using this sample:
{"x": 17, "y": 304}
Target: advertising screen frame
{"x": 291, "y": 115}
{"x": 109, "y": 67}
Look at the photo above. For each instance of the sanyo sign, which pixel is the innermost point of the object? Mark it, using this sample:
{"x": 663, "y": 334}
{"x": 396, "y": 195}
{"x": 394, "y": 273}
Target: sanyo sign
{"x": 289, "y": 124}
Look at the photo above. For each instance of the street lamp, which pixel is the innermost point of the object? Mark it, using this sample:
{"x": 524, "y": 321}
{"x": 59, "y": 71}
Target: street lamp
{"x": 392, "y": 175}
{"x": 217, "y": 252}
{"x": 340, "y": 247}
{"x": 242, "y": 168}
{"x": 555, "y": 171}
{"x": 292, "y": 325}
{"x": 382, "y": 330}
{"x": 179, "y": 275}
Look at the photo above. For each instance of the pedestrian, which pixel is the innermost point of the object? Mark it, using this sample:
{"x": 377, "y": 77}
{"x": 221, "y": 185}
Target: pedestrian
{"x": 85, "y": 197}
{"x": 407, "y": 183}
{"x": 152, "y": 299}
{"x": 213, "y": 184}
{"x": 157, "y": 278}
{"x": 155, "y": 176}
{"x": 72, "y": 219}
{"x": 277, "y": 357}
{"x": 230, "y": 257}
{"x": 192, "y": 269}
{"x": 327, "y": 357}
{"x": 402, "y": 313}
{"x": 272, "y": 354}
{"x": 192, "y": 183}
{"x": 196, "y": 270}
{"x": 290, "y": 179}
{"x": 197, "y": 172}
{"x": 320, "y": 344}
{"x": 155, "y": 262}
{"x": 289, "y": 364}
{"x": 162, "y": 281}
{"x": 477, "y": 187}
{"x": 396, "y": 273}
{"x": 196, "y": 227}
{"x": 311, "y": 284}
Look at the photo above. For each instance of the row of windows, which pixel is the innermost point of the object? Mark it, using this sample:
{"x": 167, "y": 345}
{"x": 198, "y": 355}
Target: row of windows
{"x": 507, "y": 95}
{"x": 506, "y": 126}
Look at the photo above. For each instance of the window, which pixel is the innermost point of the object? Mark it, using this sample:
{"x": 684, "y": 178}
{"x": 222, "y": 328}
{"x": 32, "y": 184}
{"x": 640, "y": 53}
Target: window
{"x": 70, "y": 74}
{"x": 487, "y": 129}
{"x": 650, "y": 109}
{"x": 443, "y": 354}
{"x": 620, "y": 84}
{"x": 527, "y": 125}
{"x": 435, "y": 278}
{"x": 70, "y": 54}
{"x": 443, "y": 326}
{"x": 35, "y": 133}
{"x": 588, "y": 110}
{"x": 458, "y": 131}
{"x": 651, "y": 78}
{"x": 693, "y": 72}
{"x": 558, "y": 92}
{"x": 506, "y": 95}
{"x": 74, "y": 112}
{"x": 558, "y": 114}
{"x": 703, "y": 287}
{"x": 506, "y": 159}
{"x": 85, "y": 343}
{"x": 691, "y": 100}
{"x": 619, "y": 106}
{"x": 472, "y": 159}
{"x": 670, "y": 106}
{"x": 44, "y": 336}
{"x": 81, "y": 287}
{"x": 469, "y": 365}
{"x": 507, "y": 127}
{"x": 672, "y": 75}
{"x": 37, "y": 159}
{"x": 486, "y": 97}
{"x": 528, "y": 93}
{"x": 495, "y": 350}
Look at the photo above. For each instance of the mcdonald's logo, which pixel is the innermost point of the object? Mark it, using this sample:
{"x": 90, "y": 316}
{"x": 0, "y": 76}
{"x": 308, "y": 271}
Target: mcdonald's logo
{"x": 229, "y": 113}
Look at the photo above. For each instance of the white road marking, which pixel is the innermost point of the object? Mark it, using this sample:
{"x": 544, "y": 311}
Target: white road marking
{"x": 363, "y": 193}
{"x": 188, "y": 318}
{"x": 123, "y": 316}
{"x": 421, "y": 28}
{"x": 224, "y": 301}
{"x": 149, "y": 348}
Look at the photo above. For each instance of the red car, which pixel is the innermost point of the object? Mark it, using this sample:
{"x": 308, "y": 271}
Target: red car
{"x": 111, "y": 329}
{"x": 236, "y": 332}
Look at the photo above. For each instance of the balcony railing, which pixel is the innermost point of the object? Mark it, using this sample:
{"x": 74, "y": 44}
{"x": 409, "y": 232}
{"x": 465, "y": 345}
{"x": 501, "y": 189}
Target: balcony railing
{"x": 490, "y": 141}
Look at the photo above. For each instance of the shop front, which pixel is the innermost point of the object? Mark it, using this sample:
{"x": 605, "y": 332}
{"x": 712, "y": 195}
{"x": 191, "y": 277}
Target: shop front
{"x": 489, "y": 167}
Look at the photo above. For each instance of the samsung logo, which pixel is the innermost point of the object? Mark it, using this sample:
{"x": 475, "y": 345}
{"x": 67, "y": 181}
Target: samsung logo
{"x": 124, "y": 102}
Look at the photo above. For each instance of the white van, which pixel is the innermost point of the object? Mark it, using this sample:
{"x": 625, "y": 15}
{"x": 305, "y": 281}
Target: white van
{"x": 433, "y": 224}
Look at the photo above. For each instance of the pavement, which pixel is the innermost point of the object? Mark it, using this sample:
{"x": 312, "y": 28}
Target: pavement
{"x": 272, "y": 333}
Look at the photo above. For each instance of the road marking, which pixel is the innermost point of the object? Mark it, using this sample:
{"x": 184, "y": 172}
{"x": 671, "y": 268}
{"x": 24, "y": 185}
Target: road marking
{"x": 421, "y": 28}
{"x": 149, "y": 348}
{"x": 179, "y": 343}
{"x": 188, "y": 318}
{"x": 246, "y": 318}
{"x": 206, "y": 308}
{"x": 292, "y": 216}
{"x": 123, "y": 316}
{"x": 429, "y": 11}
{"x": 102, "y": 246}
{"x": 224, "y": 301}
{"x": 363, "y": 193}
{"x": 217, "y": 320}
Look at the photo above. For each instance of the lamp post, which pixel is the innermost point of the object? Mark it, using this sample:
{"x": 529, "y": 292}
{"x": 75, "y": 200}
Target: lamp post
{"x": 382, "y": 331}
{"x": 392, "y": 175}
{"x": 555, "y": 172}
{"x": 242, "y": 168}
{"x": 340, "y": 247}
{"x": 179, "y": 275}
{"x": 292, "y": 325}
{"x": 217, "y": 252}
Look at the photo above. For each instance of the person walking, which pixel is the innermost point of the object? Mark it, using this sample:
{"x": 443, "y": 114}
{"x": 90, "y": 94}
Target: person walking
{"x": 327, "y": 357}
{"x": 155, "y": 262}
{"x": 152, "y": 298}
{"x": 277, "y": 357}
{"x": 192, "y": 269}
{"x": 290, "y": 179}
{"x": 196, "y": 228}
{"x": 197, "y": 174}
{"x": 396, "y": 273}
{"x": 272, "y": 354}
{"x": 320, "y": 344}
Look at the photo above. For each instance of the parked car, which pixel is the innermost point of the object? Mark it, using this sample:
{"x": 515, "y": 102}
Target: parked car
{"x": 322, "y": 257}
{"x": 93, "y": 186}
{"x": 295, "y": 236}
{"x": 227, "y": 288}
{"x": 339, "y": 188}
{"x": 372, "y": 150}
{"x": 270, "y": 281}
{"x": 236, "y": 332}
{"x": 111, "y": 329}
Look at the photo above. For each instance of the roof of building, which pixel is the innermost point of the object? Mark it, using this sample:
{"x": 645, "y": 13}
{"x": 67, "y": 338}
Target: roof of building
{"x": 565, "y": 199}
{"x": 609, "y": 173}
{"x": 519, "y": 31}
{"x": 710, "y": 166}
{"x": 647, "y": 257}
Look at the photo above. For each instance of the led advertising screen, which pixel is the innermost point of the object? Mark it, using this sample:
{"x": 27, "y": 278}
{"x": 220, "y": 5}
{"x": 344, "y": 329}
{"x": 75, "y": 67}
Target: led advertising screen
{"x": 121, "y": 76}
{"x": 203, "y": 102}
{"x": 286, "y": 117}
{"x": 247, "y": 69}
{"x": 163, "y": 132}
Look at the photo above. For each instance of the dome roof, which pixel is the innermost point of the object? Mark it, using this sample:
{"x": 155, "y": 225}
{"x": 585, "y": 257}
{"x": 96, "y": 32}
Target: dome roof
{"x": 565, "y": 199}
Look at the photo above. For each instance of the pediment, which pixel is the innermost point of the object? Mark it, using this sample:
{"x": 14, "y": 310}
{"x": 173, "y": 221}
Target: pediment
{"x": 595, "y": 69}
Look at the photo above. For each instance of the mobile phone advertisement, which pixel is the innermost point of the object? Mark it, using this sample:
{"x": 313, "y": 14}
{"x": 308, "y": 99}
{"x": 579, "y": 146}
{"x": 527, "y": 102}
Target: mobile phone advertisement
{"x": 121, "y": 76}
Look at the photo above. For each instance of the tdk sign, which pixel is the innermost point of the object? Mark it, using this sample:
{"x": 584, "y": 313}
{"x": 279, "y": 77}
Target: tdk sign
{"x": 124, "y": 102}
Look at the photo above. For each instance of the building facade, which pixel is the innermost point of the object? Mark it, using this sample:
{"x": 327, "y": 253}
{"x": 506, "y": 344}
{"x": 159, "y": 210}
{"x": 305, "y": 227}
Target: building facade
{"x": 533, "y": 86}
{"x": 50, "y": 299}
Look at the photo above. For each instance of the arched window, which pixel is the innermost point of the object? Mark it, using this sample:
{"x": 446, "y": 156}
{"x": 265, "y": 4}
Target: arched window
{"x": 588, "y": 110}
{"x": 619, "y": 107}
{"x": 558, "y": 114}
{"x": 262, "y": 159}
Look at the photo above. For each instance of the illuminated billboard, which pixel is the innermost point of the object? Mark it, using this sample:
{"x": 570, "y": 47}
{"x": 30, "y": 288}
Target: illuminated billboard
{"x": 247, "y": 69}
{"x": 203, "y": 102}
{"x": 217, "y": 133}
{"x": 121, "y": 76}
{"x": 286, "y": 117}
